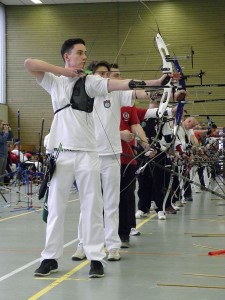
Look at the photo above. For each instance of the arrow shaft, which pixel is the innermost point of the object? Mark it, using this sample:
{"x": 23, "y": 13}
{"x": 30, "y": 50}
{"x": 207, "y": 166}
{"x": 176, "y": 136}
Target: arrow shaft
{"x": 205, "y": 85}
{"x": 196, "y": 115}
{"x": 200, "y": 101}
{"x": 188, "y": 180}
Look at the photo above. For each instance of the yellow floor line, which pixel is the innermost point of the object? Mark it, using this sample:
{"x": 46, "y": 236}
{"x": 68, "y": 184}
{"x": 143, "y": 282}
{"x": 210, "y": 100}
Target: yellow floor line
{"x": 205, "y": 233}
{"x": 153, "y": 253}
{"x": 58, "y": 281}
{"x": 145, "y": 221}
{"x": 29, "y": 212}
{"x": 54, "y": 278}
{"x": 208, "y": 220}
{"x": 80, "y": 266}
{"x": 192, "y": 286}
{"x": 20, "y": 215}
{"x": 205, "y": 275}
{"x": 208, "y": 235}
{"x": 203, "y": 246}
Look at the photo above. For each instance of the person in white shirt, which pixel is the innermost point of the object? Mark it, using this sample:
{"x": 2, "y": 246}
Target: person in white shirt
{"x": 183, "y": 143}
{"x": 107, "y": 121}
{"x": 73, "y": 129}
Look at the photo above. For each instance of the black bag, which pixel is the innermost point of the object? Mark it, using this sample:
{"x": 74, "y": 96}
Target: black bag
{"x": 45, "y": 208}
{"x": 50, "y": 168}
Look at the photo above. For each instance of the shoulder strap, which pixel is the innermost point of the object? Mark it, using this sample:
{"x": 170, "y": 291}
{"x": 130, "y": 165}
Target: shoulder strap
{"x": 67, "y": 105}
{"x": 79, "y": 99}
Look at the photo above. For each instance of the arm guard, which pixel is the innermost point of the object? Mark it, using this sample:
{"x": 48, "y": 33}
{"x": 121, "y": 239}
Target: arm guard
{"x": 136, "y": 84}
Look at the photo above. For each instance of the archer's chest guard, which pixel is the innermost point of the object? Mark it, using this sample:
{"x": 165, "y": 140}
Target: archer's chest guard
{"x": 79, "y": 99}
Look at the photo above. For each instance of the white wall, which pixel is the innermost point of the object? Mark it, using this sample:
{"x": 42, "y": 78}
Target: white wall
{"x": 2, "y": 55}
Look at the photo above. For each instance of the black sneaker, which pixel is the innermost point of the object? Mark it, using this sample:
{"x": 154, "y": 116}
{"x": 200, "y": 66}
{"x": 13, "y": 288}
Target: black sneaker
{"x": 47, "y": 267}
{"x": 171, "y": 210}
{"x": 188, "y": 199}
{"x": 96, "y": 270}
{"x": 203, "y": 188}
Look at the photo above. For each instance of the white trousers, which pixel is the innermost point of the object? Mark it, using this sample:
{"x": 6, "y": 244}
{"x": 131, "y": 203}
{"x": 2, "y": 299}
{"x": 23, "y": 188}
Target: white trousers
{"x": 84, "y": 167}
{"x": 110, "y": 179}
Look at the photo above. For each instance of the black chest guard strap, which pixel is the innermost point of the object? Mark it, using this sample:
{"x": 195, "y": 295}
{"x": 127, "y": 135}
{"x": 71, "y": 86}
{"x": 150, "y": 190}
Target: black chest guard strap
{"x": 79, "y": 99}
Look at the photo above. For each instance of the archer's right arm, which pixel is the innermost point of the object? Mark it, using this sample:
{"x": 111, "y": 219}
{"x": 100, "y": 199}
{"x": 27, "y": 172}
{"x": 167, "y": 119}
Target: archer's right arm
{"x": 38, "y": 68}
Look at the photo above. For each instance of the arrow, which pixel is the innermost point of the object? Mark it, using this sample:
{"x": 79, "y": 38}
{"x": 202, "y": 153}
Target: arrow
{"x": 200, "y": 101}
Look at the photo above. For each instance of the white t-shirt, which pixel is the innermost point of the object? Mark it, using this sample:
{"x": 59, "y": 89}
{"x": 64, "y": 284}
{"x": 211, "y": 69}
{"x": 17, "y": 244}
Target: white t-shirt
{"x": 46, "y": 140}
{"x": 107, "y": 121}
{"x": 183, "y": 136}
{"x": 72, "y": 128}
{"x": 167, "y": 128}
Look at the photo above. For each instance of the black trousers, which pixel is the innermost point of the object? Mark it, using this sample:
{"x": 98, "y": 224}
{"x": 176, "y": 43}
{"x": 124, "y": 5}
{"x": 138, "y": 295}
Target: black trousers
{"x": 127, "y": 218}
{"x": 201, "y": 175}
{"x": 176, "y": 187}
{"x": 145, "y": 189}
{"x": 153, "y": 184}
{"x": 187, "y": 188}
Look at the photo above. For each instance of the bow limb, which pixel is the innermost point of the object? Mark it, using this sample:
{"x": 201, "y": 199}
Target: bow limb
{"x": 170, "y": 185}
{"x": 182, "y": 102}
{"x": 209, "y": 122}
{"x": 167, "y": 68}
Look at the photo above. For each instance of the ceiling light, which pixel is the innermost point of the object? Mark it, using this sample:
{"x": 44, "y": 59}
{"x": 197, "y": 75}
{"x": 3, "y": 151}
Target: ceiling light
{"x": 37, "y": 1}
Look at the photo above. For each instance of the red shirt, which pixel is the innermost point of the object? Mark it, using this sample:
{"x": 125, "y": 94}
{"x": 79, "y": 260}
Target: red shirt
{"x": 128, "y": 117}
{"x": 13, "y": 157}
{"x": 200, "y": 135}
{"x": 141, "y": 113}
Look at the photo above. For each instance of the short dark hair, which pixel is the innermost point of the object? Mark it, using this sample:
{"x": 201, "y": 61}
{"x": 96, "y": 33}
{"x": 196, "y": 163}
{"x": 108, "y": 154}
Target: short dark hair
{"x": 67, "y": 46}
{"x": 114, "y": 65}
{"x": 94, "y": 65}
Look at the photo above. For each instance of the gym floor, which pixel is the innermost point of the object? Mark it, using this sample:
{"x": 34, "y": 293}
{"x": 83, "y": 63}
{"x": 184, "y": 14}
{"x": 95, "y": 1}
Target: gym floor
{"x": 169, "y": 260}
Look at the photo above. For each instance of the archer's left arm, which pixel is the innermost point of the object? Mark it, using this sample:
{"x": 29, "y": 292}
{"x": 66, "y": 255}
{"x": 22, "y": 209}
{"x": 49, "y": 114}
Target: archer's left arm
{"x": 139, "y": 133}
